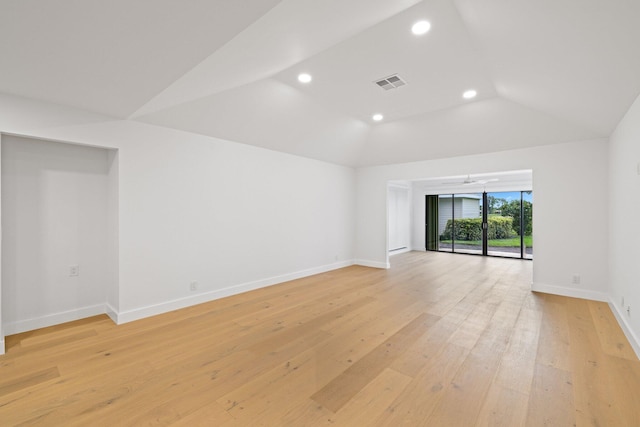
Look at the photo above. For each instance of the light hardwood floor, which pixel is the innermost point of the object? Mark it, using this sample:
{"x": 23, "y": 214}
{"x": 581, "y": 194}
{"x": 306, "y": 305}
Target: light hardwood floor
{"x": 437, "y": 340}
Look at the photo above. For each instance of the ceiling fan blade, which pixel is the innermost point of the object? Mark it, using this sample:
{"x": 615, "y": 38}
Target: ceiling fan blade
{"x": 470, "y": 181}
{"x": 484, "y": 181}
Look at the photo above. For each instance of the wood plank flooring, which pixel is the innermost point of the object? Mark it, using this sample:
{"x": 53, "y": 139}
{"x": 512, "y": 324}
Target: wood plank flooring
{"x": 437, "y": 340}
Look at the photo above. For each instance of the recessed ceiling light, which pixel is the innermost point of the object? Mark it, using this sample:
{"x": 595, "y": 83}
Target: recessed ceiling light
{"x": 469, "y": 94}
{"x": 304, "y": 78}
{"x": 377, "y": 117}
{"x": 420, "y": 28}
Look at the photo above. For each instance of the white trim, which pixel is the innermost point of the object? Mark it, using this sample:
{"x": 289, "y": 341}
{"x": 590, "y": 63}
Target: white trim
{"x": 164, "y": 307}
{"x": 399, "y": 251}
{"x": 374, "y": 264}
{"x": 569, "y": 292}
{"x": 1, "y": 346}
{"x": 111, "y": 312}
{"x": 401, "y": 185}
{"x": 626, "y": 328}
{"x": 11, "y": 328}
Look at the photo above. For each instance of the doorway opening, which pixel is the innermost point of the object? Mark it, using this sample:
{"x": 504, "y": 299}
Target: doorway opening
{"x": 60, "y": 232}
{"x": 399, "y": 218}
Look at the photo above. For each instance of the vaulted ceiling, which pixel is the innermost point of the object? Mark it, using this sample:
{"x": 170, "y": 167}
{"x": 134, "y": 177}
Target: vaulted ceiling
{"x": 545, "y": 72}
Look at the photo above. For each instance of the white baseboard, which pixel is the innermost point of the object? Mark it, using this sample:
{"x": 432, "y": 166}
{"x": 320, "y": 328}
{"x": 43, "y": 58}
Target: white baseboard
{"x": 111, "y": 312}
{"x": 11, "y": 328}
{"x": 626, "y": 328}
{"x": 152, "y": 310}
{"x": 570, "y": 292}
{"x": 374, "y": 264}
{"x": 2, "y": 346}
{"x": 399, "y": 251}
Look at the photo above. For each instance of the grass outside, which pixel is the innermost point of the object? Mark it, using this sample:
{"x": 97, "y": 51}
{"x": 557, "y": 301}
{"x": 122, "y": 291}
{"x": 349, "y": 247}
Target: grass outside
{"x": 502, "y": 243}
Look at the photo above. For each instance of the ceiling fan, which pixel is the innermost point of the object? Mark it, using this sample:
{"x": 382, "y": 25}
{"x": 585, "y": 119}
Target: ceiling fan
{"x": 469, "y": 181}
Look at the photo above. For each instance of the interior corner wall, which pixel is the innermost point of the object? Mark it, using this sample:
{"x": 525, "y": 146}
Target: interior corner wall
{"x": 53, "y": 216}
{"x": 569, "y": 226}
{"x": 224, "y": 216}
{"x": 624, "y": 230}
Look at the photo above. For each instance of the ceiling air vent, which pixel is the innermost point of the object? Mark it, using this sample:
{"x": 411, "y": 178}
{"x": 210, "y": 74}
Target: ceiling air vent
{"x": 390, "y": 82}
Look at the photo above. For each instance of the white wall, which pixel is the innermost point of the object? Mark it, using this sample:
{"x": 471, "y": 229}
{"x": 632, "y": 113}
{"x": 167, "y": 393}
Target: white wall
{"x": 54, "y": 216}
{"x": 2, "y": 332}
{"x": 224, "y": 215}
{"x": 191, "y": 208}
{"x": 418, "y": 219}
{"x": 624, "y": 222}
{"x": 570, "y": 227}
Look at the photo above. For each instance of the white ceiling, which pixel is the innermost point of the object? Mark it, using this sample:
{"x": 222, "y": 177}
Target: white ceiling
{"x": 546, "y": 71}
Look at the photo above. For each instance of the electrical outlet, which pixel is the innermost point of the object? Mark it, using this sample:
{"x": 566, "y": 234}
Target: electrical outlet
{"x": 74, "y": 270}
{"x": 193, "y": 286}
{"x": 575, "y": 279}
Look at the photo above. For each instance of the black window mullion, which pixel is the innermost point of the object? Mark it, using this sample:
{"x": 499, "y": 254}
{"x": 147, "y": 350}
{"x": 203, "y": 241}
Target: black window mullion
{"x": 453, "y": 223}
{"x": 485, "y": 225}
{"x": 522, "y": 225}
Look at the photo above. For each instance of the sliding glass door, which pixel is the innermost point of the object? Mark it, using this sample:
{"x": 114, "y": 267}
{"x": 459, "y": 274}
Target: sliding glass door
{"x": 496, "y": 224}
{"x": 503, "y": 225}
{"x": 445, "y": 216}
{"x": 466, "y": 228}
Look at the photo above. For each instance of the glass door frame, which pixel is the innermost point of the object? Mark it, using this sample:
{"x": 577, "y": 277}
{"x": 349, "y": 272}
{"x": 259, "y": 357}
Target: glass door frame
{"x": 434, "y": 238}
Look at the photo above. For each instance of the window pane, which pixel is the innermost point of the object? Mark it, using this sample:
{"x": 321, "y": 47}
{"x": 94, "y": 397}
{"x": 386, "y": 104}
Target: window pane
{"x": 445, "y": 222}
{"x": 467, "y": 226}
{"x": 503, "y": 232}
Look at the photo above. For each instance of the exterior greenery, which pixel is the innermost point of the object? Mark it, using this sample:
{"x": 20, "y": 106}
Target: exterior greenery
{"x": 499, "y": 227}
{"x": 504, "y": 226}
{"x": 512, "y": 209}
